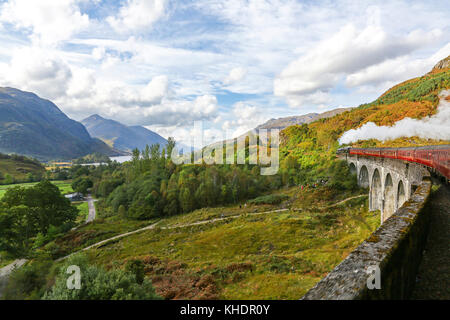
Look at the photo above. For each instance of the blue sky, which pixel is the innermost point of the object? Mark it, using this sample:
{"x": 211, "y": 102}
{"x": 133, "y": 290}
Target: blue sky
{"x": 233, "y": 64}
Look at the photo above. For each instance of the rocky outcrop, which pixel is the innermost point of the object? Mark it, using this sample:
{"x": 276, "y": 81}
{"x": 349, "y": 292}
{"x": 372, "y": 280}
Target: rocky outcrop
{"x": 443, "y": 64}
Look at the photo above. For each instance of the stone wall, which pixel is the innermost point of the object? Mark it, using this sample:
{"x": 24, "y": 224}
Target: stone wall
{"x": 390, "y": 181}
{"x": 395, "y": 248}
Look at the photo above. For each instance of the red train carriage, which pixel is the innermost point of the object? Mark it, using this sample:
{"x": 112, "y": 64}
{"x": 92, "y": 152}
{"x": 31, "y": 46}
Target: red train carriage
{"x": 436, "y": 157}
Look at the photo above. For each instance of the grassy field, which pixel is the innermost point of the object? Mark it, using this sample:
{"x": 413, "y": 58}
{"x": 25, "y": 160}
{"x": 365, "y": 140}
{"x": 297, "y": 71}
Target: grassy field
{"x": 84, "y": 211}
{"x": 265, "y": 256}
{"x": 64, "y": 186}
{"x": 95, "y": 231}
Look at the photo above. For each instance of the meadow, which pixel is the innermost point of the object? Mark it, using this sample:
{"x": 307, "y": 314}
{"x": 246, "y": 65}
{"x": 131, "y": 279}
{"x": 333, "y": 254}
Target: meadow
{"x": 257, "y": 254}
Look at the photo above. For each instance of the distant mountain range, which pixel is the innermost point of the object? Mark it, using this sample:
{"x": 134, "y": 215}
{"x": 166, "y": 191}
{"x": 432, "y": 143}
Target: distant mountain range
{"x": 32, "y": 126}
{"x": 120, "y": 136}
{"x": 282, "y": 123}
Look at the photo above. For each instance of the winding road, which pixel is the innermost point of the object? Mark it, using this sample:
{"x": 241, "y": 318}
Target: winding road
{"x": 6, "y": 271}
{"x": 92, "y": 213}
{"x": 152, "y": 226}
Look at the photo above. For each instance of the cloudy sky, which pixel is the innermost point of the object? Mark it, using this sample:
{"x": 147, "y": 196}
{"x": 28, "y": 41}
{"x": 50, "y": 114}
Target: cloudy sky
{"x": 233, "y": 64}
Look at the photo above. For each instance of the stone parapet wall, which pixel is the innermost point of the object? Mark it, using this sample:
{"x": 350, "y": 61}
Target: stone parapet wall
{"x": 395, "y": 248}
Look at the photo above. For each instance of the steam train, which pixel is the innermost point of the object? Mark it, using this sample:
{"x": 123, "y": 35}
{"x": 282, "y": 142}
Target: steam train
{"x": 435, "y": 157}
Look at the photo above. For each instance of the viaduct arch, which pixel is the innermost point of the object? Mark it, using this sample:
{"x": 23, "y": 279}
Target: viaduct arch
{"x": 391, "y": 182}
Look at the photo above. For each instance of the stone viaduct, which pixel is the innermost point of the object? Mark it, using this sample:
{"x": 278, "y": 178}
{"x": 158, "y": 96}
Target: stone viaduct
{"x": 399, "y": 186}
{"x": 390, "y": 181}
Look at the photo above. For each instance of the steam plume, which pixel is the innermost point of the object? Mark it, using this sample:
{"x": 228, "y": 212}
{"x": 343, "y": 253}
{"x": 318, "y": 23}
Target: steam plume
{"x": 436, "y": 127}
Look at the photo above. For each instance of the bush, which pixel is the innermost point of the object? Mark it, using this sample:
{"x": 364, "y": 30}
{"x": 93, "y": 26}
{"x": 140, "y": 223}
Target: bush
{"x": 99, "y": 284}
{"x": 269, "y": 199}
{"x": 136, "y": 267}
{"x": 28, "y": 282}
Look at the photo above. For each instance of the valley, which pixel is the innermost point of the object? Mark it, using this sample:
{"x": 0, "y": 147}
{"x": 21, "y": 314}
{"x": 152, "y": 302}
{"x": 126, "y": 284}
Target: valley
{"x": 226, "y": 252}
{"x": 200, "y": 230}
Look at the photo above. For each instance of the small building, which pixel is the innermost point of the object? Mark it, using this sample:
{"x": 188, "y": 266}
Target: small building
{"x": 77, "y": 196}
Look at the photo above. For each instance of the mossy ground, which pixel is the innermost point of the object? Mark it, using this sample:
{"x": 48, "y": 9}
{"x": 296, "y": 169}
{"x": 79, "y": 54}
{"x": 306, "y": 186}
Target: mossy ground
{"x": 278, "y": 255}
{"x": 84, "y": 211}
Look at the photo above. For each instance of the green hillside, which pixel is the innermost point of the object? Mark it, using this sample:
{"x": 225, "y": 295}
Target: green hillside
{"x": 226, "y": 231}
{"x": 16, "y": 168}
{"x": 314, "y": 145}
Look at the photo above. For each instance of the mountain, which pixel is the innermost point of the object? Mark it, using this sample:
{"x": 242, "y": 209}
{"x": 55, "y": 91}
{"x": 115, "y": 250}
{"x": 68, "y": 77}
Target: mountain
{"x": 441, "y": 65}
{"x": 120, "y": 136}
{"x": 416, "y": 98}
{"x": 281, "y": 123}
{"x": 32, "y": 126}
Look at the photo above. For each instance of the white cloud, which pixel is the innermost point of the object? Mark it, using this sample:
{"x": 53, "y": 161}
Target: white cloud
{"x": 315, "y": 98}
{"x": 245, "y": 117}
{"x": 81, "y": 83}
{"x": 396, "y": 70}
{"x": 155, "y": 90}
{"x": 121, "y": 63}
{"x": 80, "y": 91}
{"x": 168, "y": 113}
{"x": 98, "y": 53}
{"x": 235, "y": 75}
{"x": 49, "y": 21}
{"x": 137, "y": 15}
{"x": 45, "y": 73}
{"x": 344, "y": 53}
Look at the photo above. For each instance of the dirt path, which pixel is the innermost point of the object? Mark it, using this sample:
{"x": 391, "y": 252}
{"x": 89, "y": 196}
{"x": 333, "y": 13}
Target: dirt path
{"x": 343, "y": 201}
{"x": 92, "y": 213}
{"x": 6, "y": 271}
{"x": 433, "y": 279}
{"x": 152, "y": 226}
{"x": 334, "y": 204}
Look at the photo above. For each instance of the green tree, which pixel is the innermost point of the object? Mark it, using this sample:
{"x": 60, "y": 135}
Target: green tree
{"x": 30, "y": 177}
{"x": 25, "y": 212}
{"x": 170, "y": 146}
{"x": 82, "y": 184}
{"x": 136, "y": 267}
{"x": 122, "y": 211}
{"x": 8, "y": 179}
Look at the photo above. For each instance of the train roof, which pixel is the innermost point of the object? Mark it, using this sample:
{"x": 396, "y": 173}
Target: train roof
{"x": 434, "y": 147}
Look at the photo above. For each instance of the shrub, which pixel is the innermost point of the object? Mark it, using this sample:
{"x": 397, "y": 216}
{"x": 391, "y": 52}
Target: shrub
{"x": 269, "y": 199}
{"x": 99, "y": 284}
{"x": 28, "y": 282}
{"x": 136, "y": 267}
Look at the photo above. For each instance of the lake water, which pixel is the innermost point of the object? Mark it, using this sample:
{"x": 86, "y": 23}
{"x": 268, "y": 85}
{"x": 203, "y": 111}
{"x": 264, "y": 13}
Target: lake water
{"x": 121, "y": 159}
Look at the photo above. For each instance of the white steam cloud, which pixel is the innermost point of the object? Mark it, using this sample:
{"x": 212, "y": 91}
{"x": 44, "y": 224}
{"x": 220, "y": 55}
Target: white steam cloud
{"x": 436, "y": 127}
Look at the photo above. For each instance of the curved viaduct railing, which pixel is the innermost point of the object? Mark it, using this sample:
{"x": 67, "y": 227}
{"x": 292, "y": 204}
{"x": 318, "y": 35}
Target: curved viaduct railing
{"x": 436, "y": 158}
{"x": 385, "y": 265}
